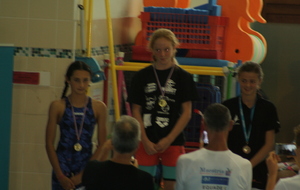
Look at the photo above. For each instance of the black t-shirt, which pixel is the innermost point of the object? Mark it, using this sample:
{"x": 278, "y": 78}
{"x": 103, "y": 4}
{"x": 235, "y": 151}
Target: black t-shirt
{"x": 265, "y": 118}
{"x": 144, "y": 91}
{"x": 109, "y": 175}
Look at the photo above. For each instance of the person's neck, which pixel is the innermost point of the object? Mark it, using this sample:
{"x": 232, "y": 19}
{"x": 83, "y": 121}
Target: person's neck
{"x": 163, "y": 66}
{"x": 121, "y": 158}
{"x": 249, "y": 101}
{"x": 217, "y": 141}
{"x": 78, "y": 100}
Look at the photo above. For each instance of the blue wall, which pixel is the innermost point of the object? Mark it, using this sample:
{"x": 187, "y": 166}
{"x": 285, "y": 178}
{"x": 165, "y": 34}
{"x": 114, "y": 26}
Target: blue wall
{"x": 6, "y": 76}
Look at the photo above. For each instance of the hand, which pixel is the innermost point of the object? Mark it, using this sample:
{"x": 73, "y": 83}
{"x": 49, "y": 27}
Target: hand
{"x": 201, "y": 143}
{"x": 76, "y": 179}
{"x": 292, "y": 158}
{"x": 149, "y": 147}
{"x": 135, "y": 162}
{"x": 272, "y": 163}
{"x": 297, "y": 158}
{"x": 66, "y": 182}
{"x": 163, "y": 144}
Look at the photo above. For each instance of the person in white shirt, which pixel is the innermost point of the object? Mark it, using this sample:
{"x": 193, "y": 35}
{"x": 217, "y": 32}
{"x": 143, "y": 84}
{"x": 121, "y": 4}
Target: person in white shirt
{"x": 289, "y": 183}
{"x": 214, "y": 166}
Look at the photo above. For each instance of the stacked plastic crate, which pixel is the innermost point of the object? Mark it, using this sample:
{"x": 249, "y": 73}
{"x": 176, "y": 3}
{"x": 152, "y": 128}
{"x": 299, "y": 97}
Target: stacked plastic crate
{"x": 200, "y": 34}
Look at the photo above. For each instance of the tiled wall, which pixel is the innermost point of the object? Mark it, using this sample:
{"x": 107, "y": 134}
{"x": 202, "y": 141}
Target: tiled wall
{"x": 34, "y": 26}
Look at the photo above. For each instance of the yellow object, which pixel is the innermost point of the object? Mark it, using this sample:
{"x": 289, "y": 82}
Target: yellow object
{"x": 88, "y": 5}
{"x": 199, "y": 70}
{"x": 112, "y": 61}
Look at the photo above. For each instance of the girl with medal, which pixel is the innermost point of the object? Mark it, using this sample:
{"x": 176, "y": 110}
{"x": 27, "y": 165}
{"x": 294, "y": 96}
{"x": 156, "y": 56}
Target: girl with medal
{"x": 76, "y": 115}
{"x": 161, "y": 96}
{"x": 256, "y": 122}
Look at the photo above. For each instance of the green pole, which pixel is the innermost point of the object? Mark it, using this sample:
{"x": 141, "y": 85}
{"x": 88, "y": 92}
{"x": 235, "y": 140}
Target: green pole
{"x": 6, "y": 73}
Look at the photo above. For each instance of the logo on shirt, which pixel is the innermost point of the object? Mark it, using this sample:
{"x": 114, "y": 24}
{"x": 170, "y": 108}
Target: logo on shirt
{"x": 162, "y": 121}
{"x": 215, "y": 180}
{"x": 235, "y": 119}
{"x": 228, "y": 172}
{"x": 150, "y": 101}
{"x": 78, "y": 113}
{"x": 169, "y": 88}
{"x": 151, "y": 87}
{"x": 215, "y": 172}
{"x": 206, "y": 171}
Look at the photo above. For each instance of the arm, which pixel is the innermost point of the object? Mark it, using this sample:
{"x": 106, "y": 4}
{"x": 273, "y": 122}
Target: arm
{"x": 148, "y": 145}
{"x": 53, "y": 118}
{"x": 181, "y": 123}
{"x": 105, "y": 150}
{"x": 101, "y": 117}
{"x": 272, "y": 165}
{"x": 264, "y": 151}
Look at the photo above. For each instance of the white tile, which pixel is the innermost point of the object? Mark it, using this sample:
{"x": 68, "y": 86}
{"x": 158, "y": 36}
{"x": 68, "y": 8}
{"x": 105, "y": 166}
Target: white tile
{"x": 14, "y": 8}
{"x": 42, "y": 33}
{"x": 14, "y": 31}
{"x": 43, "y": 9}
{"x": 16, "y": 157}
{"x": 19, "y": 99}
{"x": 36, "y": 181}
{"x": 15, "y": 180}
{"x": 39, "y": 99}
{"x": 36, "y": 159}
{"x": 35, "y": 129}
{"x": 18, "y": 128}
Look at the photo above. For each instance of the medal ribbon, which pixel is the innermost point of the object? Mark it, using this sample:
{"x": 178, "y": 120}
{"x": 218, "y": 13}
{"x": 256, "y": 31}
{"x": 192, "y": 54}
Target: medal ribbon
{"x": 246, "y": 133}
{"x": 160, "y": 88}
{"x": 78, "y": 134}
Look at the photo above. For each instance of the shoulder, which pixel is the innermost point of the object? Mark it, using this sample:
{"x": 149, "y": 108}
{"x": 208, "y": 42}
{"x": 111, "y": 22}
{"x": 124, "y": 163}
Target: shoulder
{"x": 58, "y": 105}
{"x": 140, "y": 75}
{"x": 145, "y": 174}
{"x": 181, "y": 71}
{"x": 266, "y": 103}
{"x": 59, "y": 102}
{"x": 144, "y": 70}
{"x": 93, "y": 168}
{"x": 189, "y": 157}
{"x": 93, "y": 165}
{"x": 240, "y": 161}
{"x": 183, "y": 77}
{"x": 98, "y": 104}
{"x": 288, "y": 183}
{"x": 99, "y": 107}
{"x": 231, "y": 101}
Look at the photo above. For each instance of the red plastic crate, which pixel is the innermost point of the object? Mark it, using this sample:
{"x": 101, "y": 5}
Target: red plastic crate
{"x": 193, "y": 31}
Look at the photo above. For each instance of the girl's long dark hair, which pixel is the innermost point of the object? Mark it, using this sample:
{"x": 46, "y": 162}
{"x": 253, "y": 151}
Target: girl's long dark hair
{"x": 76, "y": 65}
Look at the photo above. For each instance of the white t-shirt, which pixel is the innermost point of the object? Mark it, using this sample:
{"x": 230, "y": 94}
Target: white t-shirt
{"x": 218, "y": 170}
{"x": 289, "y": 183}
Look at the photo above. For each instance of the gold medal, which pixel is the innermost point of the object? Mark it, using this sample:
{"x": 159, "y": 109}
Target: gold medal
{"x": 77, "y": 147}
{"x": 162, "y": 103}
{"x": 246, "y": 149}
